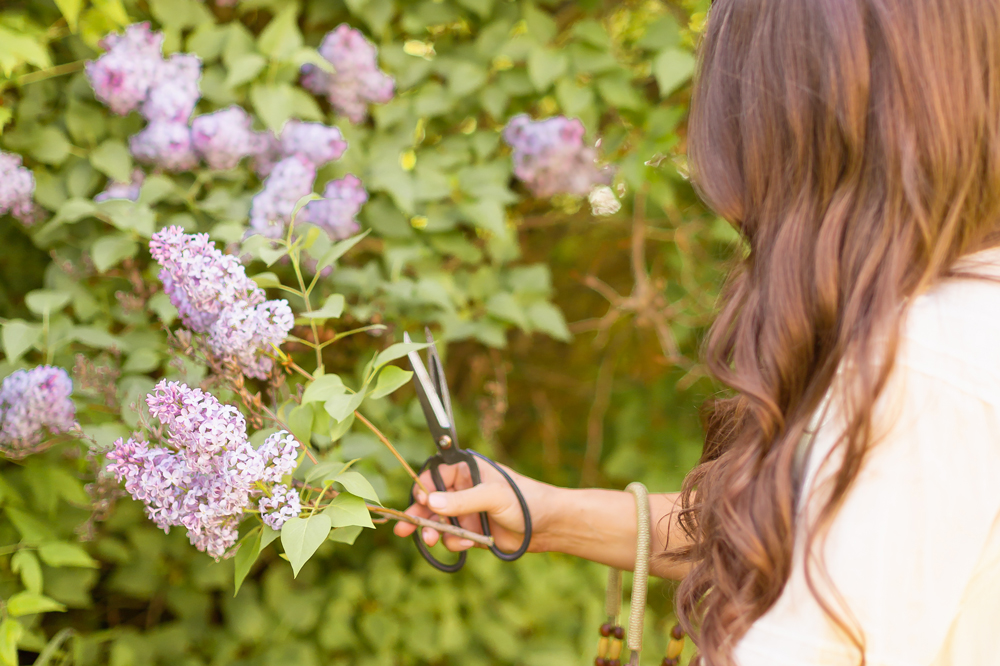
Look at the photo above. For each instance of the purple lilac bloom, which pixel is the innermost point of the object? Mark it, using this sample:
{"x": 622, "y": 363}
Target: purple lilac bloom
{"x": 121, "y": 78}
{"x": 357, "y": 80}
{"x": 34, "y": 403}
{"x": 166, "y": 145}
{"x": 174, "y": 93}
{"x": 129, "y": 190}
{"x": 317, "y": 143}
{"x": 246, "y": 334}
{"x": 205, "y": 476}
{"x": 200, "y": 280}
{"x": 266, "y": 152}
{"x": 551, "y": 158}
{"x": 224, "y": 137}
{"x": 271, "y": 210}
{"x": 17, "y": 185}
{"x": 283, "y": 504}
{"x": 336, "y": 212}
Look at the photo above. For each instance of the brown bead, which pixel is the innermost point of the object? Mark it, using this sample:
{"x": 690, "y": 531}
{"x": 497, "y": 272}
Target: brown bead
{"x": 619, "y": 632}
{"x": 614, "y": 662}
{"x": 667, "y": 661}
{"x": 677, "y": 633}
{"x": 606, "y": 629}
{"x": 600, "y": 661}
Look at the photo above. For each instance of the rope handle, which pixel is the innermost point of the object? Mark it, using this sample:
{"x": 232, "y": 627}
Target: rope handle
{"x": 640, "y": 579}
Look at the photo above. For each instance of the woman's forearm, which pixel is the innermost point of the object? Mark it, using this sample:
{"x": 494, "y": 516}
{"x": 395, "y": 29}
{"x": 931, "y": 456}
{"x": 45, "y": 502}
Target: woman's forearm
{"x": 600, "y": 525}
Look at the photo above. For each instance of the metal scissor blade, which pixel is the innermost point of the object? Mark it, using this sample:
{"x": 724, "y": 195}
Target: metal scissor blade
{"x": 437, "y": 375}
{"x": 437, "y": 416}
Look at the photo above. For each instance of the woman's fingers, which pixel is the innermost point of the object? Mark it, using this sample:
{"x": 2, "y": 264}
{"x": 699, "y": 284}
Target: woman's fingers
{"x": 484, "y": 497}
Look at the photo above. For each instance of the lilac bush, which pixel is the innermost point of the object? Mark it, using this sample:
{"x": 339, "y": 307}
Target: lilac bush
{"x": 206, "y": 475}
{"x": 245, "y": 333}
{"x": 317, "y": 143}
{"x": 17, "y": 187}
{"x": 174, "y": 94}
{"x": 165, "y": 144}
{"x": 550, "y": 157}
{"x": 224, "y": 137}
{"x": 357, "y": 80}
{"x": 122, "y": 77}
{"x": 336, "y": 212}
{"x": 33, "y": 404}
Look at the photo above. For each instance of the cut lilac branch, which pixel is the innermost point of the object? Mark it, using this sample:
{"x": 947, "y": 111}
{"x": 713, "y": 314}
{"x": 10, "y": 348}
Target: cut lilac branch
{"x": 385, "y": 440}
{"x": 434, "y": 525}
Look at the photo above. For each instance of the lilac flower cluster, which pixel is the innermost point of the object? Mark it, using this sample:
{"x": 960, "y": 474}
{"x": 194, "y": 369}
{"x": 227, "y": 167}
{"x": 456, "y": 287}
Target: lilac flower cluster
{"x": 129, "y": 190}
{"x": 551, "y": 158}
{"x": 17, "y": 186}
{"x": 207, "y": 474}
{"x": 34, "y": 403}
{"x": 214, "y": 296}
{"x": 356, "y": 81}
{"x": 224, "y": 137}
{"x": 336, "y": 212}
{"x": 122, "y": 77}
{"x": 317, "y": 144}
{"x": 284, "y": 503}
{"x": 271, "y": 209}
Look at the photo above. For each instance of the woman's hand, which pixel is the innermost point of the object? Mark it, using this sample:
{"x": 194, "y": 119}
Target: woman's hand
{"x": 464, "y": 500}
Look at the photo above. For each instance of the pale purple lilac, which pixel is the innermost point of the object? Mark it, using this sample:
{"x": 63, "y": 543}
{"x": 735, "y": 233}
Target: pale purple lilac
{"x": 165, "y": 144}
{"x": 266, "y": 152}
{"x": 271, "y": 209}
{"x": 357, "y": 81}
{"x": 122, "y": 77}
{"x": 200, "y": 280}
{"x": 17, "y": 187}
{"x": 129, "y": 190}
{"x": 284, "y": 503}
{"x": 336, "y": 213}
{"x": 206, "y": 475}
{"x": 224, "y": 137}
{"x": 174, "y": 93}
{"x": 550, "y": 156}
{"x": 33, "y": 404}
{"x": 246, "y": 334}
{"x": 317, "y": 143}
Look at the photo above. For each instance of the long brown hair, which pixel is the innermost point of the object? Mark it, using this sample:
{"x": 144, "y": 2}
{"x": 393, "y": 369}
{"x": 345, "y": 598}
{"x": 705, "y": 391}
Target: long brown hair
{"x": 855, "y": 144}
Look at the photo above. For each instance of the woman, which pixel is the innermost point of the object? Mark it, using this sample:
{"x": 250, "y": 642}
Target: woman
{"x": 846, "y": 507}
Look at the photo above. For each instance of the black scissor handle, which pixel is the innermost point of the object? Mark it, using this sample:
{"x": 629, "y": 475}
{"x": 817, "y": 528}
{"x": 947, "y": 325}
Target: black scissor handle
{"x": 436, "y": 461}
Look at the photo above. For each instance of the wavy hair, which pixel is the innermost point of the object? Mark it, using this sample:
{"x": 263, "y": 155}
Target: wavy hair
{"x": 855, "y": 144}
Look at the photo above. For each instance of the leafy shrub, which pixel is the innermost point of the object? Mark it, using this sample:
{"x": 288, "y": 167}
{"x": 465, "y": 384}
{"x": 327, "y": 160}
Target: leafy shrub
{"x": 491, "y": 243}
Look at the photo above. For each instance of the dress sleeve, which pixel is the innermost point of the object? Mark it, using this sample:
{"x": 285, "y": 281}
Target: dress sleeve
{"x": 916, "y": 530}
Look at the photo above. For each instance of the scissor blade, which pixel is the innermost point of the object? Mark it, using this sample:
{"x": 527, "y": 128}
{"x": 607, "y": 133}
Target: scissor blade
{"x": 434, "y": 409}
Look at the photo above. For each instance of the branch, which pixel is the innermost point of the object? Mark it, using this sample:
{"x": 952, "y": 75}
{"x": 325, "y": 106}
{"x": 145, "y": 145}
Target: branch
{"x": 424, "y": 522}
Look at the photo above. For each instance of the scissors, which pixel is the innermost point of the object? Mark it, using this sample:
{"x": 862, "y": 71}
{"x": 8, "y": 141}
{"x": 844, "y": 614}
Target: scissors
{"x": 432, "y": 391}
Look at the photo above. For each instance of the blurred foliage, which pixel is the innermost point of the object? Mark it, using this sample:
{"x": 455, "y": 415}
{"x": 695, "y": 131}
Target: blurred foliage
{"x": 456, "y": 245}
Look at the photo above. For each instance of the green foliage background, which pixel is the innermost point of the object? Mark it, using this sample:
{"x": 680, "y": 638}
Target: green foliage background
{"x": 456, "y": 244}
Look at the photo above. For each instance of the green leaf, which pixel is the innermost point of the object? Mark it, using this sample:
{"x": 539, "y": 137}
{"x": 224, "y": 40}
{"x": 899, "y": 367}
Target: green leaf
{"x": 300, "y": 423}
{"x": 93, "y": 336}
{"x": 113, "y": 10}
{"x": 341, "y": 428}
{"x": 269, "y": 254}
{"x": 111, "y": 250}
{"x": 274, "y": 102}
{"x": 18, "y": 337}
{"x": 672, "y": 68}
{"x": 300, "y": 537}
{"x": 73, "y": 211}
{"x": 45, "y": 301}
{"x": 245, "y": 557}
{"x": 32, "y": 603}
{"x": 16, "y": 48}
{"x": 71, "y": 11}
{"x": 332, "y": 309}
{"x": 545, "y": 66}
{"x": 356, "y": 484}
{"x": 299, "y": 205}
{"x": 339, "y": 407}
{"x": 327, "y": 469}
{"x": 25, "y": 563}
{"x": 338, "y": 250}
{"x": 505, "y": 307}
{"x": 346, "y": 510}
{"x": 245, "y": 68}
{"x": 396, "y": 351}
{"x": 346, "y": 535}
{"x": 267, "y": 535}
{"x": 49, "y": 145}
{"x": 323, "y": 388}
{"x": 265, "y": 280}
{"x": 180, "y": 14}
{"x": 10, "y": 633}
{"x": 31, "y": 529}
{"x": 390, "y": 379}
{"x": 281, "y": 38}
{"x": 547, "y": 318}
{"x": 129, "y": 216}
{"x": 61, "y": 554}
{"x": 113, "y": 159}
{"x": 155, "y": 189}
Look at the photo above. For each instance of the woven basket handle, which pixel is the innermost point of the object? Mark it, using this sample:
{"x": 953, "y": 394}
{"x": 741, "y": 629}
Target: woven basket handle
{"x": 640, "y": 578}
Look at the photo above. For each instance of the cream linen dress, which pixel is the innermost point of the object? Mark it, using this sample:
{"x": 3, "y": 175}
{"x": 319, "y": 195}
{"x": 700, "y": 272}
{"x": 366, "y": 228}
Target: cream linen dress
{"x": 914, "y": 552}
